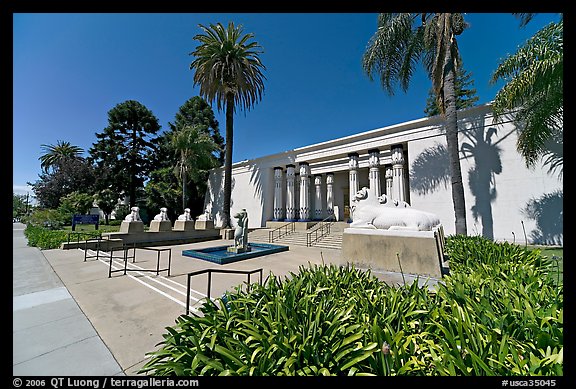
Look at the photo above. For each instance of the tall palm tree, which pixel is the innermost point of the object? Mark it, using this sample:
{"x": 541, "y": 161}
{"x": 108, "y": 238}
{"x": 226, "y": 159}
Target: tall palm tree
{"x": 229, "y": 71}
{"x": 194, "y": 148}
{"x": 534, "y": 92}
{"x": 401, "y": 41}
{"x": 55, "y": 155}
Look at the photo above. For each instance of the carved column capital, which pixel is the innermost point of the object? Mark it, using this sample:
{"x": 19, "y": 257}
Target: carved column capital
{"x": 353, "y": 161}
{"x": 329, "y": 178}
{"x": 397, "y": 155}
{"x": 374, "y": 158}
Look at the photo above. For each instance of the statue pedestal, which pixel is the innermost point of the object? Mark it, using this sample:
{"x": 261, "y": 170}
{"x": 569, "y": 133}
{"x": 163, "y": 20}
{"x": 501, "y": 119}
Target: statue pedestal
{"x": 410, "y": 252}
{"x": 131, "y": 227}
{"x": 160, "y": 225}
{"x": 204, "y": 224}
{"x": 238, "y": 250}
{"x": 184, "y": 225}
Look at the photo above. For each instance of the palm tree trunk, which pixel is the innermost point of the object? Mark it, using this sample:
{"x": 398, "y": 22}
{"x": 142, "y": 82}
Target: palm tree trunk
{"x": 452, "y": 145}
{"x": 132, "y": 152}
{"x": 184, "y": 183}
{"x": 228, "y": 160}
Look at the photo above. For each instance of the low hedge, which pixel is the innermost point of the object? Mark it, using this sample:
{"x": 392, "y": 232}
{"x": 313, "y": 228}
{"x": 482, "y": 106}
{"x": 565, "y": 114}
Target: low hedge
{"x": 496, "y": 313}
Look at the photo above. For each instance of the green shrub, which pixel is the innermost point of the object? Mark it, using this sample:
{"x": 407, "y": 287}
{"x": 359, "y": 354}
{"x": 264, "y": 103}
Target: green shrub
{"x": 45, "y": 238}
{"x": 496, "y": 313}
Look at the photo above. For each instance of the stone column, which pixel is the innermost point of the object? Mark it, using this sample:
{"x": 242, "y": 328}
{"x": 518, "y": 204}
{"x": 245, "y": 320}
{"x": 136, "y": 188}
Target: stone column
{"x": 290, "y": 194}
{"x": 398, "y": 185}
{"x": 374, "y": 175}
{"x": 304, "y": 191}
{"x": 278, "y": 206}
{"x": 389, "y": 181}
{"x": 318, "y": 210}
{"x": 353, "y": 177}
{"x": 329, "y": 194}
{"x": 297, "y": 196}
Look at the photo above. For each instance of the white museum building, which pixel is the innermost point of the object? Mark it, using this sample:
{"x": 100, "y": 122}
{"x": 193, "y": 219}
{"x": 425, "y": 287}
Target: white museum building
{"x": 505, "y": 201}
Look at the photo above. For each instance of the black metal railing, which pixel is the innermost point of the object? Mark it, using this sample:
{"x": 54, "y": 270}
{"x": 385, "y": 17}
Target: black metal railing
{"x": 210, "y": 271}
{"x": 88, "y": 235}
{"x": 319, "y": 231}
{"x": 284, "y": 229}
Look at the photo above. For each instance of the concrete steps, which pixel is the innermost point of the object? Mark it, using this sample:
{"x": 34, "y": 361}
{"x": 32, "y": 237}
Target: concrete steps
{"x": 331, "y": 241}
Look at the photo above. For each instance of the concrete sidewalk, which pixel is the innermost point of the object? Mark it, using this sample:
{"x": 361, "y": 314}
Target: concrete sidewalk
{"x": 51, "y": 336}
{"x": 72, "y": 316}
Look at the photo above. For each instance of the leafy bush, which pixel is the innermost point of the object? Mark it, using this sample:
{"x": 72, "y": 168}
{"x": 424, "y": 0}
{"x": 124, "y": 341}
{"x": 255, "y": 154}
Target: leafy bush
{"x": 45, "y": 238}
{"x": 48, "y": 218}
{"x": 497, "y": 313}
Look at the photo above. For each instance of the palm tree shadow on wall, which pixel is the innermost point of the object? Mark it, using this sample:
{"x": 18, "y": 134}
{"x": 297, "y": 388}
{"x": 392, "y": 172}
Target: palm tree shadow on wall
{"x": 482, "y": 177}
{"x": 216, "y": 193}
{"x": 256, "y": 181}
{"x": 430, "y": 171}
{"x": 548, "y": 212}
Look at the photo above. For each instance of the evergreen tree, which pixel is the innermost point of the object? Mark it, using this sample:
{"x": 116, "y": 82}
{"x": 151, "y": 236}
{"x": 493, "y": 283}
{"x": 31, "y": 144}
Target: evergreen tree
{"x": 125, "y": 147}
{"x": 465, "y": 93}
{"x": 196, "y": 112}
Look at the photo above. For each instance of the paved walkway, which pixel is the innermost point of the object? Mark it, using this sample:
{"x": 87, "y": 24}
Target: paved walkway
{"x": 72, "y": 317}
{"x": 51, "y": 336}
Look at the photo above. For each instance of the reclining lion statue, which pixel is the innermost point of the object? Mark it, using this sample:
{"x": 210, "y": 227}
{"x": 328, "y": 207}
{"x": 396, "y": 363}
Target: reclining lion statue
{"x": 383, "y": 214}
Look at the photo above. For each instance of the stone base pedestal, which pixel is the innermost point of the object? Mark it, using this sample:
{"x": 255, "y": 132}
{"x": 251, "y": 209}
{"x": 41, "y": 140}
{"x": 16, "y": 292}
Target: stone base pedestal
{"x": 204, "y": 224}
{"x": 131, "y": 227}
{"x": 410, "y": 252}
{"x": 160, "y": 225}
{"x": 227, "y": 233}
{"x": 184, "y": 225}
{"x": 238, "y": 250}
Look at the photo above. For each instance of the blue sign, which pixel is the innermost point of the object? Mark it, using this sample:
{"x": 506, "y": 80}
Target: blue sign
{"x": 85, "y": 219}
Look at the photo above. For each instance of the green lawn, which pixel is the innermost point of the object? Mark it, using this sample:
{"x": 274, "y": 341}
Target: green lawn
{"x": 557, "y": 253}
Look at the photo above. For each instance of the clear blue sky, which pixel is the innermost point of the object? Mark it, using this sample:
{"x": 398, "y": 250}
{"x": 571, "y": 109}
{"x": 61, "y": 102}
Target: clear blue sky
{"x": 71, "y": 69}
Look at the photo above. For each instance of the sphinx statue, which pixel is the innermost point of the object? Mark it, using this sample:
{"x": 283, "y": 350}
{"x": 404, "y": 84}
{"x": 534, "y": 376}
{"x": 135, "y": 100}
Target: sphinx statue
{"x": 381, "y": 213}
{"x": 163, "y": 215}
{"x": 134, "y": 215}
{"x": 185, "y": 215}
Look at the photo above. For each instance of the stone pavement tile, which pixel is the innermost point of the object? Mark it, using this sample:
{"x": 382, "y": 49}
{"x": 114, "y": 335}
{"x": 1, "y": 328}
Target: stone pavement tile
{"x": 34, "y": 341}
{"x": 87, "y": 357}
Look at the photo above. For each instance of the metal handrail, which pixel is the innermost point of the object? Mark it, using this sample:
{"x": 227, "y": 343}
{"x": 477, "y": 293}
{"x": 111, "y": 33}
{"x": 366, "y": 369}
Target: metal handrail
{"x": 323, "y": 227}
{"x": 289, "y": 225}
{"x": 210, "y": 271}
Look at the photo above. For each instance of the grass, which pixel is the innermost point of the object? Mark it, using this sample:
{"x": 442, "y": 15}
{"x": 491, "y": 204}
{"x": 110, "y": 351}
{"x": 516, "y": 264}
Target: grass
{"x": 554, "y": 253}
{"x": 91, "y": 228}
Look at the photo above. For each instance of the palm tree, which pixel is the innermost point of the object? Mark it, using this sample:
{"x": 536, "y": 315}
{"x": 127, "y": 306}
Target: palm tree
{"x": 400, "y": 42}
{"x": 534, "y": 92}
{"x": 57, "y": 154}
{"x": 229, "y": 71}
{"x": 194, "y": 148}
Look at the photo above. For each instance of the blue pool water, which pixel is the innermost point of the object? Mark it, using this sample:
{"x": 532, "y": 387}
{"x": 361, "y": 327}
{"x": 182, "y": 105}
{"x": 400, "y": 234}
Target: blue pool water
{"x": 221, "y": 256}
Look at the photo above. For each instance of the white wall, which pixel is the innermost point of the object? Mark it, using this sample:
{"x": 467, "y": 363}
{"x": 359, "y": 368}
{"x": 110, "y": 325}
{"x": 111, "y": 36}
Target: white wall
{"x": 497, "y": 184}
{"x": 491, "y": 159}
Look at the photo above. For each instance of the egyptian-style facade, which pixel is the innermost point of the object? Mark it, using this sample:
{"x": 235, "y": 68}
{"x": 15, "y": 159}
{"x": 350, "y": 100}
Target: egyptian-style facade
{"x": 407, "y": 162}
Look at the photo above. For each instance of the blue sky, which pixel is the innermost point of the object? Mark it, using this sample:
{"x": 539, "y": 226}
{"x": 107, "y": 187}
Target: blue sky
{"x": 70, "y": 69}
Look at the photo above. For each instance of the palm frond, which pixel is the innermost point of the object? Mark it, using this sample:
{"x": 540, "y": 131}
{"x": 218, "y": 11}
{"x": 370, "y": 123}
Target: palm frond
{"x": 226, "y": 63}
